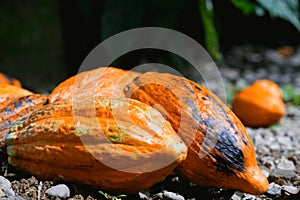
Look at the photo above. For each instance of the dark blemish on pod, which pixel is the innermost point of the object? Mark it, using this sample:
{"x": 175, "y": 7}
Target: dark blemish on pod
{"x": 126, "y": 89}
{"x": 232, "y": 125}
{"x": 196, "y": 114}
{"x": 218, "y": 105}
{"x": 28, "y": 100}
{"x": 7, "y": 110}
{"x": 244, "y": 140}
{"x": 18, "y": 104}
{"x": 198, "y": 88}
{"x": 136, "y": 79}
{"x": 228, "y": 145}
{"x": 223, "y": 166}
{"x": 204, "y": 98}
{"x": 5, "y": 125}
{"x": 188, "y": 87}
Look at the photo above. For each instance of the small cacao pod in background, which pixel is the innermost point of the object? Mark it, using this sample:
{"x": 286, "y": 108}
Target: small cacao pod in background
{"x": 260, "y": 104}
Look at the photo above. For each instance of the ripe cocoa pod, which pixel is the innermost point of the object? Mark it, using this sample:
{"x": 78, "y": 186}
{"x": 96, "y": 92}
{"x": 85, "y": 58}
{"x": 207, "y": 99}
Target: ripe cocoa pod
{"x": 118, "y": 147}
{"x": 260, "y": 104}
{"x": 17, "y": 109}
{"x": 6, "y": 79}
{"x": 100, "y": 82}
{"x": 220, "y": 152}
{"x": 9, "y": 93}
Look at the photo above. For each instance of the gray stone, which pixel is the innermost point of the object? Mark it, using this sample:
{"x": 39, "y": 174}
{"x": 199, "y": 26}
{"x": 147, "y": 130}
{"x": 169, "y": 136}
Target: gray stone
{"x": 159, "y": 195}
{"x": 2, "y": 194}
{"x": 286, "y": 164}
{"x": 290, "y": 189}
{"x": 265, "y": 172}
{"x": 275, "y": 147}
{"x": 274, "y": 189}
{"x": 175, "y": 179}
{"x": 264, "y": 150}
{"x": 60, "y": 190}
{"x": 249, "y": 197}
{"x": 284, "y": 140}
{"x": 17, "y": 197}
{"x": 258, "y": 140}
{"x": 5, "y": 185}
{"x": 9, "y": 192}
{"x": 144, "y": 195}
{"x": 172, "y": 195}
{"x": 237, "y": 196}
{"x": 268, "y": 162}
{"x": 279, "y": 173}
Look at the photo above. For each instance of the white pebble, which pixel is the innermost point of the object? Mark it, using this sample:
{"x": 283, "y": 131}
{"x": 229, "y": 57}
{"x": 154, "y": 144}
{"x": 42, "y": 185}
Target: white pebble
{"x": 237, "y": 196}
{"x": 4, "y": 183}
{"x": 172, "y": 195}
{"x": 5, "y": 186}
{"x": 286, "y": 164}
{"x": 290, "y": 189}
{"x": 274, "y": 189}
{"x": 2, "y": 194}
{"x": 144, "y": 195}
{"x": 60, "y": 190}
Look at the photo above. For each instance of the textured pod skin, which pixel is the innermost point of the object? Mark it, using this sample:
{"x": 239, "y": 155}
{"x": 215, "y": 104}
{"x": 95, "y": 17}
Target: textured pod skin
{"x": 52, "y": 143}
{"x": 220, "y": 153}
{"x": 10, "y": 93}
{"x": 6, "y": 79}
{"x": 260, "y": 104}
{"x": 18, "y": 109}
{"x": 100, "y": 82}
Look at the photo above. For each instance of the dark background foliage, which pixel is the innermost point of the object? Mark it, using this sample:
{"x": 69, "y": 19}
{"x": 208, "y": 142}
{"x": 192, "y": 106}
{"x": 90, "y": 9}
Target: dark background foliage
{"x": 44, "y": 42}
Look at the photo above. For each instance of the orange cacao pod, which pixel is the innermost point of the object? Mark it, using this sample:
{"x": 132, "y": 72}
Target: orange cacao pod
{"x": 6, "y": 79}
{"x": 17, "y": 109}
{"x": 61, "y": 141}
{"x": 100, "y": 82}
{"x": 9, "y": 93}
{"x": 260, "y": 104}
{"x": 220, "y": 152}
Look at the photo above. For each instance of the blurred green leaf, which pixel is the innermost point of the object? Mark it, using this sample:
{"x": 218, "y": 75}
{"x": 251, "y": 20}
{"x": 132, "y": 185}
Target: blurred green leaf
{"x": 110, "y": 197}
{"x": 287, "y": 10}
{"x": 273, "y": 127}
{"x": 246, "y": 6}
{"x": 211, "y": 36}
{"x": 289, "y": 95}
{"x": 287, "y": 92}
{"x": 296, "y": 100}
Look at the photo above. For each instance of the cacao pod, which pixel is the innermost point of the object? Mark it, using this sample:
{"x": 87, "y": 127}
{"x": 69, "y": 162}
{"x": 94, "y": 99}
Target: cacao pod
{"x": 64, "y": 140}
{"x": 100, "y": 82}
{"x": 260, "y": 104}
{"x": 9, "y": 93}
{"x": 18, "y": 109}
{"x": 220, "y": 152}
{"x": 6, "y": 79}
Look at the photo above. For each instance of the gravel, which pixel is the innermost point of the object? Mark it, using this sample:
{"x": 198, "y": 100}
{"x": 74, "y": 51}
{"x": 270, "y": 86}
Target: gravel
{"x": 277, "y": 147}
